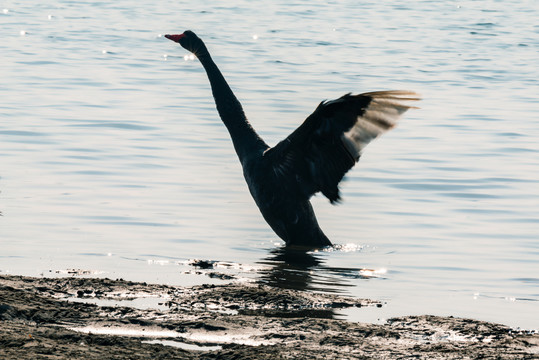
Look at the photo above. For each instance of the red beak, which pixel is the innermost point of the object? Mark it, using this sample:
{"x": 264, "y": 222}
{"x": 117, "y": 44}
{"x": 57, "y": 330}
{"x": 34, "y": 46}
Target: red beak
{"x": 175, "y": 38}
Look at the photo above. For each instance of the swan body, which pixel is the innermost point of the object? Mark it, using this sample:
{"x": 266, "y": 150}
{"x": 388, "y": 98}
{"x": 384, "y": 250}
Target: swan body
{"x": 314, "y": 158}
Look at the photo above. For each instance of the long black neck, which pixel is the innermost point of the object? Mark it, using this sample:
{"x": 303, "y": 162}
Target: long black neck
{"x": 245, "y": 139}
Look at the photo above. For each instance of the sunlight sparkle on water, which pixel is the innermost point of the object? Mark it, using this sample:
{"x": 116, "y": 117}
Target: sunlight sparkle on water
{"x": 198, "y": 337}
{"x": 344, "y": 248}
{"x": 126, "y": 331}
{"x": 184, "y": 346}
{"x": 372, "y": 272}
{"x": 158, "y": 262}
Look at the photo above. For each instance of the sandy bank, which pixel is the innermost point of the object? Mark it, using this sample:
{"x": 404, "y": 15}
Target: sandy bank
{"x": 46, "y": 318}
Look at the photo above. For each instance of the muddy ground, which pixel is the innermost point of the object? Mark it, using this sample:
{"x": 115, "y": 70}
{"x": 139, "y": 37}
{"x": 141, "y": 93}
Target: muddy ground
{"x": 51, "y": 318}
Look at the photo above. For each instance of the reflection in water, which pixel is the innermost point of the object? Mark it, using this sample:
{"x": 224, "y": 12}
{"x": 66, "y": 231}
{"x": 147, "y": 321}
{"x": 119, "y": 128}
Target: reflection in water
{"x": 299, "y": 269}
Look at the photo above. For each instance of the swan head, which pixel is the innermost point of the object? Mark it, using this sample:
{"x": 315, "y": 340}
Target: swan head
{"x": 189, "y": 41}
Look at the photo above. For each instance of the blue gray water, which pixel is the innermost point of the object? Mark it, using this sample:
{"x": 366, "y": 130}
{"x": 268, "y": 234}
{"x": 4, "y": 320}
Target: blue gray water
{"x": 113, "y": 158}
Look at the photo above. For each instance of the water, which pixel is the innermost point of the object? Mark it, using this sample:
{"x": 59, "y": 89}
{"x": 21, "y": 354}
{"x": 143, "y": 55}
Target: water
{"x": 113, "y": 159}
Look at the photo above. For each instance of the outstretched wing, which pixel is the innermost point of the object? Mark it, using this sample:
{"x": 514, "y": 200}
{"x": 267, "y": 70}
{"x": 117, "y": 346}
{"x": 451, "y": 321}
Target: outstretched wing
{"x": 330, "y": 141}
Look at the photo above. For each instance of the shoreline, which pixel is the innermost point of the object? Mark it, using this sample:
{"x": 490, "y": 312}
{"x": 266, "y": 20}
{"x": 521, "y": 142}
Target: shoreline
{"x": 55, "y": 318}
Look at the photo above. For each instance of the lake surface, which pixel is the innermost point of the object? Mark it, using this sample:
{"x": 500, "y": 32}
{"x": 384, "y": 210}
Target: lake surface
{"x": 113, "y": 159}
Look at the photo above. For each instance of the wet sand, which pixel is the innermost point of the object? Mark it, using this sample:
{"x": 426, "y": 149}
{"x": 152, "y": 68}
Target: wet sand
{"x": 54, "y": 318}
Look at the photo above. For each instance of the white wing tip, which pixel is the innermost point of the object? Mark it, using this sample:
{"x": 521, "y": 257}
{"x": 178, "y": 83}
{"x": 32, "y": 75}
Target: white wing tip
{"x": 380, "y": 116}
{"x": 399, "y": 95}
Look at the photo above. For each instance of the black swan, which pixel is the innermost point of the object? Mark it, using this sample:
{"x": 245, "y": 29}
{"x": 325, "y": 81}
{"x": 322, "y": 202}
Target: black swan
{"x": 314, "y": 158}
